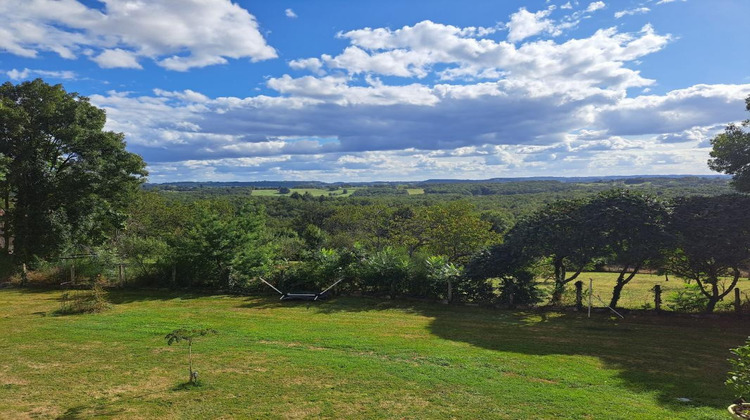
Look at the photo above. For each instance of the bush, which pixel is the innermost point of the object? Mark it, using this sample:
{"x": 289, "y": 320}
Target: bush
{"x": 519, "y": 289}
{"x": 739, "y": 375}
{"x": 385, "y": 271}
{"x": 689, "y": 299}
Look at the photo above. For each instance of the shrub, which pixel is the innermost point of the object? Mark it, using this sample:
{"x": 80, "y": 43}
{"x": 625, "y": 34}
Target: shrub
{"x": 689, "y": 299}
{"x": 739, "y": 375}
{"x": 386, "y": 270}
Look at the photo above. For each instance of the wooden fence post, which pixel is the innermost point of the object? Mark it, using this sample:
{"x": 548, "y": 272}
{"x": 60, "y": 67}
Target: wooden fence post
{"x": 23, "y": 274}
{"x": 737, "y": 302}
{"x": 657, "y": 298}
{"x": 121, "y": 274}
{"x": 72, "y": 271}
{"x": 579, "y": 295}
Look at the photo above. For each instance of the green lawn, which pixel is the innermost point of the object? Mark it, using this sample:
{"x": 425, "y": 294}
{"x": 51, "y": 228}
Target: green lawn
{"x": 354, "y": 358}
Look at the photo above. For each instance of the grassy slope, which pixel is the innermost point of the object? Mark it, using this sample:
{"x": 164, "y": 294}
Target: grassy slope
{"x": 354, "y": 358}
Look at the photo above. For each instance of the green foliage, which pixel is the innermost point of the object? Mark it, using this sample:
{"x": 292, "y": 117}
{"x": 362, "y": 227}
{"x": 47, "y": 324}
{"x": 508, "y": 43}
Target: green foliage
{"x": 739, "y": 375}
{"x": 688, "y": 299}
{"x": 68, "y": 180}
{"x": 224, "y": 247}
{"x": 186, "y": 334}
{"x": 442, "y": 274}
{"x": 456, "y": 231}
{"x": 189, "y": 335}
{"x": 731, "y": 153}
{"x": 385, "y": 271}
{"x": 711, "y": 243}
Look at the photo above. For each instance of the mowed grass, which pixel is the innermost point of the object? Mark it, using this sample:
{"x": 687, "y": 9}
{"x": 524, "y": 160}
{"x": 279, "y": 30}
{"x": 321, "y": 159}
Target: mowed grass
{"x": 640, "y": 290}
{"x": 354, "y": 358}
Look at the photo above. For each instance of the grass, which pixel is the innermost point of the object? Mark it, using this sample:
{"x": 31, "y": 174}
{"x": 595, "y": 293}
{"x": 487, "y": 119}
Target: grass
{"x": 354, "y": 358}
{"x": 639, "y": 291}
{"x": 315, "y": 192}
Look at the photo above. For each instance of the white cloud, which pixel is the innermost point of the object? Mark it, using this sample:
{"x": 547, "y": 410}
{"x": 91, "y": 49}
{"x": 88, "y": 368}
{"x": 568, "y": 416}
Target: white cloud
{"x": 524, "y": 24}
{"x": 177, "y": 34}
{"x": 290, "y": 13}
{"x": 636, "y": 11}
{"x": 468, "y": 106}
{"x": 27, "y": 73}
{"x": 117, "y": 58}
{"x": 597, "y": 5}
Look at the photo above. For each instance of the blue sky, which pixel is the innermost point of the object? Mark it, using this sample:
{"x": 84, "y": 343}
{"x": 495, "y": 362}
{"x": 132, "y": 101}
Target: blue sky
{"x": 395, "y": 90}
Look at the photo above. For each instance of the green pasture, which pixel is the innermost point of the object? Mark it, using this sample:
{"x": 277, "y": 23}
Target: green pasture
{"x": 315, "y": 192}
{"x": 639, "y": 294}
{"x": 354, "y": 358}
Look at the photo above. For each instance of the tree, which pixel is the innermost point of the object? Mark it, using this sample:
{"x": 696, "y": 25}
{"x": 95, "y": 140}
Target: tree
{"x": 632, "y": 230}
{"x": 731, "y": 153}
{"x": 68, "y": 180}
{"x": 562, "y": 232}
{"x": 284, "y": 190}
{"x": 183, "y": 334}
{"x": 456, "y": 231}
{"x": 225, "y": 247}
{"x": 711, "y": 238}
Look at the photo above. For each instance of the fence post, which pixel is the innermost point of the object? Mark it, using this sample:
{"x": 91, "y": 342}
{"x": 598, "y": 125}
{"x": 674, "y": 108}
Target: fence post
{"x": 579, "y": 296}
{"x": 72, "y": 271}
{"x": 23, "y": 274}
{"x": 737, "y": 302}
{"x": 174, "y": 274}
{"x": 657, "y": 298}
{"x": 120, "y": 274}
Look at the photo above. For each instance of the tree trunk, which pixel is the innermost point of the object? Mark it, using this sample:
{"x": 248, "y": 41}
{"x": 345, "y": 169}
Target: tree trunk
{"x": 711, "y": 305}
{"x": 559, "y": 281}
{"x": 616, "y": 294}
{"x": 621, "y": 282}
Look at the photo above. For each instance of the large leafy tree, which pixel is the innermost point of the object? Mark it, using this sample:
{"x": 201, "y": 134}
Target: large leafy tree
{"x": 731, "y": 153}
{"x": 632, "y": 232}
{"x": 68, "y": 179}
{"x": 712, "y": 243}
{"x": 562, "y": 232}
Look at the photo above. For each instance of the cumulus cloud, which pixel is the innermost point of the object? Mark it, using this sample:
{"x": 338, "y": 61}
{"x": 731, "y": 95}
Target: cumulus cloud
{"x": 117, "y": 58}
{"x": 524, "y": 24}
{"x": 177, "y": 34}
{"x": 464, "y": 104}
{"x": 290, "y": 13}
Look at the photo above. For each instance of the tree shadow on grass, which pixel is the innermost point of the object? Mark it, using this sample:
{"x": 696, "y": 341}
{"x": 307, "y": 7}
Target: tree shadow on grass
{"x": 85, "y": 412}
{"x": 670, "y": 357}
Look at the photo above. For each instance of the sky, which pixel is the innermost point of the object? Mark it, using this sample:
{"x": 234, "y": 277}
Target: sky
{"x": 334, "y": 90}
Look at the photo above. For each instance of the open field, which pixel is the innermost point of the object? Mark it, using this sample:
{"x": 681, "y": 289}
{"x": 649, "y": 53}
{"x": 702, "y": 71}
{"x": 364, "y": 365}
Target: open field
{"x": 639, "y": 291}
{"x": 315, "y": 192}
{"x": 354, "y": 358}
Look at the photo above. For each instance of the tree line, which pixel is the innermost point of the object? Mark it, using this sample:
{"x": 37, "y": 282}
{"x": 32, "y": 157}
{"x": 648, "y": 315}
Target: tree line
{"x": 70, "y": 187}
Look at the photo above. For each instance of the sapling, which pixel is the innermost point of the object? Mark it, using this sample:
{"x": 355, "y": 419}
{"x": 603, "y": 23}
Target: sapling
{"x": 188, "y": 335}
